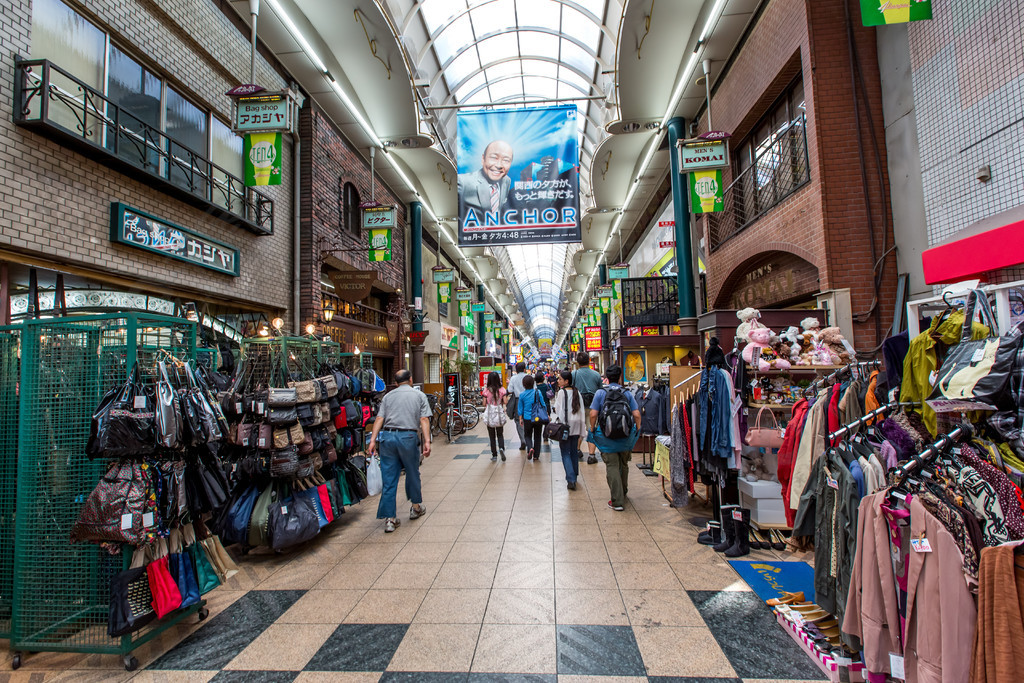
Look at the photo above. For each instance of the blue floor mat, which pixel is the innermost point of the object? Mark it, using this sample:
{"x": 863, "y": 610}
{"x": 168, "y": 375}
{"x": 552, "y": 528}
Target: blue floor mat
{"x": 771, "y": 579}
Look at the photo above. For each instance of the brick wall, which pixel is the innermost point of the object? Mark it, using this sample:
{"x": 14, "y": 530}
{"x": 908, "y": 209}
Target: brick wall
{"x": 824, "y": 221}
{"x": 55, "y": 207}
{"x": 328, "y": 162}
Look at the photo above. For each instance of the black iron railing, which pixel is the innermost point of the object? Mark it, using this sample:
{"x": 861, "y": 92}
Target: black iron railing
{"x": 650, "y": 301}
{"x": 57, "y": 104}
{"x": 778, "y": 171}
{"x": 358, "y": 312}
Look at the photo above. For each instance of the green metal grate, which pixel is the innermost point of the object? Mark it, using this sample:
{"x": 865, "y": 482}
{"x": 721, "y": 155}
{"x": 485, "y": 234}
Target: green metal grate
{"x": 274, "y": 361}
{"x": 10, "y": 372}
{"x": 62, "y": 590}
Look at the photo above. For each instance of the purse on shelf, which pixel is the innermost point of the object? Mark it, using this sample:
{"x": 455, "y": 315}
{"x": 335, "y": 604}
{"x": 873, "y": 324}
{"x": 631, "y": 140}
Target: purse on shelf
{"x": 325, "y": 412}
{"x": 329, "y": 386}
{"x": 765, "y": 437}
{"x": 265, "y": 437}
{"x": 308, "y": 414}
{"x": 292, "y": 521}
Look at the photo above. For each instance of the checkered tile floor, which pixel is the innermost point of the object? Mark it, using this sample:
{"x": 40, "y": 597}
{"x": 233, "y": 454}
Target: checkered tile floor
{"x": 509, "y": 577}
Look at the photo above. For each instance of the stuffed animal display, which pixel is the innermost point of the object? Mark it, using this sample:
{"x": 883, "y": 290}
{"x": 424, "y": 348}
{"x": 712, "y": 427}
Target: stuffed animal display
{"x": 759, "y": 337}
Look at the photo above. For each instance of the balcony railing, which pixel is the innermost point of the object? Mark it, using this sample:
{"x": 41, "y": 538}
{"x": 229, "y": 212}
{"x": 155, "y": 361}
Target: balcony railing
{"x": 650, "y": 301}
{"x": 778, "y": 171}
{"x": 58, "y": 105}
{"x": 357, "y": 312}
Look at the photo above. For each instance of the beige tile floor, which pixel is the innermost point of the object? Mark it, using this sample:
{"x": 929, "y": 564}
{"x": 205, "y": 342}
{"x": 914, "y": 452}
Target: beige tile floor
{"x": 504, "y": 554}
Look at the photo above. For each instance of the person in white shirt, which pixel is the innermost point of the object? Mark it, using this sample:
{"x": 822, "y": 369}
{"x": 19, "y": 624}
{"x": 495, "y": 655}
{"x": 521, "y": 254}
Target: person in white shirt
{"x": 568, "y": 409}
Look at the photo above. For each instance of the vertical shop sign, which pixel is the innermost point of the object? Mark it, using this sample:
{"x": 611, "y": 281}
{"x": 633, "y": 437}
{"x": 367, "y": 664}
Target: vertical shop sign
{"x": 380, "y": 244}
{"x": 592, "y": 338}
{"x": 262, "y": 156}
{"x": 444, "y": 292}
{"x": 882, "y": 12}
{"x": 453, "y": 389}
{"x": 463, "y": 309}
{"x": 706, "y": 194}
{"x": 518, "y": 179}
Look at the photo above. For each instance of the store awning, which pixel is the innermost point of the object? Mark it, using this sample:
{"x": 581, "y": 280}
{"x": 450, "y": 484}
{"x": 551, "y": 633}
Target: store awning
{"x": 987, "y": 249}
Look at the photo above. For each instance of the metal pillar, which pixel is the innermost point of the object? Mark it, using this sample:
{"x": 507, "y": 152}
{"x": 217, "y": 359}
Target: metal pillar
{"x": 416, "y": 286}
{"x": 606, "y": 332}
{"x": 681, "y": 213}
{"x": 480, "y": 323}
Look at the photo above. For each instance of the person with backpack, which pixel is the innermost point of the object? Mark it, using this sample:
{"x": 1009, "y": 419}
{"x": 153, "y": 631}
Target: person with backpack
{"x": 568, "y": 410}
{"x": 533, "y": 415}
{"x": 587, "y": 381}
{"x": 615, "y": 425}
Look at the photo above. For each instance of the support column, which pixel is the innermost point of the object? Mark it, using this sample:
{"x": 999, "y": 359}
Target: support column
{"x": 606, "y": 332}
{"x": 681, "y": 213}
{"x": 416, "y": 286}
{"x": 480, "y": 323}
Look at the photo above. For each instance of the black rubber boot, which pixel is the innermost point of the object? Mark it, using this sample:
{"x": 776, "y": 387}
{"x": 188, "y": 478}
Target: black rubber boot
{"x": 728, "y": 533}
{"x": 741, "y": 546}
{"x": 712, "y": 535}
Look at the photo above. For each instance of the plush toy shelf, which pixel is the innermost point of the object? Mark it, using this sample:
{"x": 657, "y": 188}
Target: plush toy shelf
{"x": 796, "y": 368}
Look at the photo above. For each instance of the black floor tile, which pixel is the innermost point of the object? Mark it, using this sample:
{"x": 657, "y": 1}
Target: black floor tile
{"x": 599, "y": 651}
{"x": 227, "y": 634}
{"x": 690, "y": 679}
{"x": 468, "y": 456}
{"x": 512, "y": 678}
{"x": 255, "y": 677}
{"x": 358, "y": 647}
{"x": 747, "y": 632}
{"x": 423, "y": 677}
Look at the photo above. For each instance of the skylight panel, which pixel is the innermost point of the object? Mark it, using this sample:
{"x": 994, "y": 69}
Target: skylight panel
{"x": 493, "y": 17}
{"x": 462, "y": 66}
{"x": 436, "y": 12}
{"x": 457, "y": 36}
{"x": 579, "y": 26}
{"x": 576, "y": 56}
{"x": 543, "y": 13}
{"x": 538, "y": 44}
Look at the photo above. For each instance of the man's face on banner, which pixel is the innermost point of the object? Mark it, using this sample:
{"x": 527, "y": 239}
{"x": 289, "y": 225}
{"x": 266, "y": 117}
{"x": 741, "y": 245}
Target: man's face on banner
{"x": 497, "y": 160}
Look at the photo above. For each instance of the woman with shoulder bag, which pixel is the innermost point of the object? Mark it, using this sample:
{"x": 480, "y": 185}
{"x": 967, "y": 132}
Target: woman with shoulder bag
{"x": 495, "y": 398}
{"x": 568, "y": 410}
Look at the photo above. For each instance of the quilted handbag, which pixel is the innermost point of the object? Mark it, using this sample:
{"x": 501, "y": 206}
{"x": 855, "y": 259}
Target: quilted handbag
{"x": 113, "y": 511}
{"x": 131, "y": 601}
{"x": 764, "y": 437}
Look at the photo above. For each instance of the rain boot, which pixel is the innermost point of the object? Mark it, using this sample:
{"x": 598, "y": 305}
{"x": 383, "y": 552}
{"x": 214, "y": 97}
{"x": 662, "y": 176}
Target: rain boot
{"x": 712, "y": 535}
{"x": 741, "y": 546}
{"x": 728, "y": 533}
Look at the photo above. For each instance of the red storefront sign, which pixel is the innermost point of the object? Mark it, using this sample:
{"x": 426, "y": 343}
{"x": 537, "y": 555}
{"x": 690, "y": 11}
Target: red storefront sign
{"x": 976, "y": 255}
{"x": 592, "y": 338}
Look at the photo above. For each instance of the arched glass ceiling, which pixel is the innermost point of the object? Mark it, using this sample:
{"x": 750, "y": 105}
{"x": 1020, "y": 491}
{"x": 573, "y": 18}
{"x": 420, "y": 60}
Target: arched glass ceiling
{"x": 505, "y": 52}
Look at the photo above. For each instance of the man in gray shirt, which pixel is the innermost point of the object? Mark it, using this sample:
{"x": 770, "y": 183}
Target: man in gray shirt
{"x": 515, "y": 387}
{"x": 587, "y": 381}
{"x": 404, "y": 415}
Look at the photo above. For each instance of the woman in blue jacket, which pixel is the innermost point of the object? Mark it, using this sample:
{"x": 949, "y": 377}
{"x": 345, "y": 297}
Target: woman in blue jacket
{"x": 533, "y": 415}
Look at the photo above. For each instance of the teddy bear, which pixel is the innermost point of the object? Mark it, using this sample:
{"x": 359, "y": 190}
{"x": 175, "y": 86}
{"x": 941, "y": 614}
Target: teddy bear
{"x": 790, "y": 343}
{"x": 758, "y": 337}
{"x": 747, "y": 317}
{"x": 832, "y": 337}
{"x": 810, "y": 327}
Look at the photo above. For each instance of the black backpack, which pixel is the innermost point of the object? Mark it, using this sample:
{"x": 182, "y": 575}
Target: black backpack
{"x": 616, "y": 416}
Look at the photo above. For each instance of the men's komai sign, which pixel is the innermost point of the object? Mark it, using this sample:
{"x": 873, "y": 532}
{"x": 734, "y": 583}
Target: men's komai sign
{"x": 519, "y": 176}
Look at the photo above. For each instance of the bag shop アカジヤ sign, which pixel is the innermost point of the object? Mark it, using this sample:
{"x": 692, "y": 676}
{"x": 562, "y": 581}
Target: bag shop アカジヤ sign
{"x": 144, "y": 231}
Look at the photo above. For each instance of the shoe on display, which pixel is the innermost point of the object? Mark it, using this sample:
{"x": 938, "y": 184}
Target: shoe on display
{"x": 741, "y": 546}
{"x": 712, "y": 535}
{"x": 787, "y": 598}
{"x": 415, "y": 514}
{"x": 777, "y": 539}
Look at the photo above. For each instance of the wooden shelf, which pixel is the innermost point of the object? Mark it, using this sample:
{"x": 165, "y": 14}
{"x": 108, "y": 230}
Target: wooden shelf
{"x": 797, "y": 368}
{"x": 770, "y": 406}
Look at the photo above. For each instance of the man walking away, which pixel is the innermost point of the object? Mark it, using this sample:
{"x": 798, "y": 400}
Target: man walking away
{"x": 615, "y": 421}
{"x": 515, "y": 388}
{"x": 587, "y": 381}
{"x": 404, "y": 417}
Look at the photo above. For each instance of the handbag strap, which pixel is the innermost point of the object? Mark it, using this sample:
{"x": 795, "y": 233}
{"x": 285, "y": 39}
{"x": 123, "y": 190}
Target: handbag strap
{"x": 757, "y": 424}
{"x": 977, "y": 297}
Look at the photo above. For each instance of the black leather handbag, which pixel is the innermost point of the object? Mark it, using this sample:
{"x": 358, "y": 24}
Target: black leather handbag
{"x": 292, "y": 521}
{"x": 284, "y": 462}
{"x": 282, "y": 416}
{"x": 282, "y": 398}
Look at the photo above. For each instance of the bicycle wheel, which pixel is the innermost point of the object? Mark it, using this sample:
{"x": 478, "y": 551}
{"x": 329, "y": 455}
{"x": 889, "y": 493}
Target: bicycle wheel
{"x": 471, "y": 415}
{"x": 436, "y": 422}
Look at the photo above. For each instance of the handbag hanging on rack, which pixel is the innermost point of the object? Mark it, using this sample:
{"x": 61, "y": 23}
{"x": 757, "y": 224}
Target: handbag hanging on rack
{"x": 114, "y": 511}
{"x": 123, "y": 424}
{"x": 131, "y": 601}
{"x": 168, "y": 412}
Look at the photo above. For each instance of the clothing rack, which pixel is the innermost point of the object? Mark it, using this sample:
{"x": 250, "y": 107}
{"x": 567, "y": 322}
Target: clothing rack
{"x": 877, "y": 412}
{"x": 821, "y": 382}
{"x": 960, "y": 432}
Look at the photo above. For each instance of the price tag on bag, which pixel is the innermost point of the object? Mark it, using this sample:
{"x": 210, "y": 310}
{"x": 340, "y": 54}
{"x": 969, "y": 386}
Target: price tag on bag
{"x": 737, "y": 515}
{"x": 284, "y": 509}
{"x": 978, "y": 355}
{"x": 126, "y": 521}
{"x": 259, "y": 408}
{"x": 238, "y": 407}
{"x": 148, "y": 519}
{"x": 139, "y": 403}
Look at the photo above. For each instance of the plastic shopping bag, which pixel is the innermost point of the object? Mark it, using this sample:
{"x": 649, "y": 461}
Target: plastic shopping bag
{"x": 374, "y": 481}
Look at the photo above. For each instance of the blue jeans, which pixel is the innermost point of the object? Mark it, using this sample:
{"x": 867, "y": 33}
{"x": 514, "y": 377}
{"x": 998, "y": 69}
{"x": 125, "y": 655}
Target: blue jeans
{"x": 570, "y": 449}
{"x": 398, "y": 450}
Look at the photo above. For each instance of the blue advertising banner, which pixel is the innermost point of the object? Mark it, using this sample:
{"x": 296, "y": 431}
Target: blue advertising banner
{"x": 519, "y": 176}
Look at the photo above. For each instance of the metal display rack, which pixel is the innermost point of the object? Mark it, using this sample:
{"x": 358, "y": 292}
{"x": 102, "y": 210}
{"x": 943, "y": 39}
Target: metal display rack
{"x": 61, "y": 590}
{"x": 275, "y": 361}
{"x": 10, "y": 373}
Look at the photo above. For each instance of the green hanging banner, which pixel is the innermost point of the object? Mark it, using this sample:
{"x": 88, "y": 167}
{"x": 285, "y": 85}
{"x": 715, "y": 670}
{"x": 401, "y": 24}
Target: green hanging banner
{"x": 463, "y": 309}
{"x": 380, "y": 244}
{"x": 706, "y": 192}
{"x": 882, "y": 12}
{"x": 617, "y": 290}
{"x": 261, "y": 153}
{"x": 444, "y": 292}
